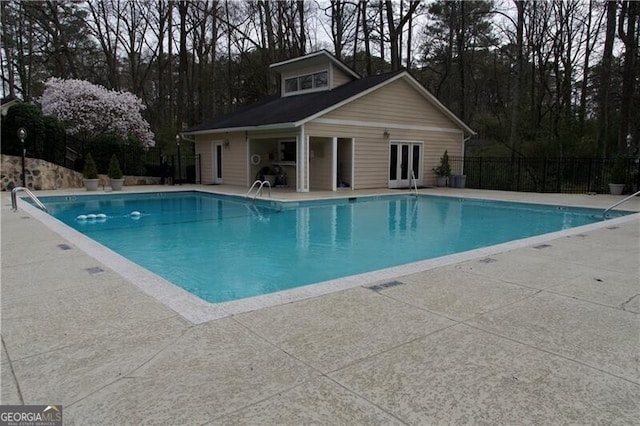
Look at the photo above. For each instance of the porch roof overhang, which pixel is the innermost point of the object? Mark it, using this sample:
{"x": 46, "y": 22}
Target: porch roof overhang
{"x": 275, "y": 126}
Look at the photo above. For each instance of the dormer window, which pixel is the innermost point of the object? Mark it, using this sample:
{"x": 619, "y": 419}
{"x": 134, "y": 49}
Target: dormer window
{"x": 307, "y": 82}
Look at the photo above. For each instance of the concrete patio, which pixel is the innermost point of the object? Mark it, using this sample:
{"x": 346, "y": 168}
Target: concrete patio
{"x": 539, "y": 334}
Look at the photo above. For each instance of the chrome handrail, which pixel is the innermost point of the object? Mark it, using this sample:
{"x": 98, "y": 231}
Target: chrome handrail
{"x": 262, "y": 183}
{"x": 14, "y": 201}
{"x": 604, "y": 213}
{"x": 256, "y": 182}
{"x": 415, "y": 184}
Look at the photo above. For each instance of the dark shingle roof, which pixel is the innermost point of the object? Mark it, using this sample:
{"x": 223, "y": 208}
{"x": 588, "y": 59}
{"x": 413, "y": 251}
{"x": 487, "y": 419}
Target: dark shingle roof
{"x": 290, "y": 109}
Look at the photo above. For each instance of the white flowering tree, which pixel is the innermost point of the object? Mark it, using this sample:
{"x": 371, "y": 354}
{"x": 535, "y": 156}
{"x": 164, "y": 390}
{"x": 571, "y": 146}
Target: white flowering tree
{"x": 88, "y": 110}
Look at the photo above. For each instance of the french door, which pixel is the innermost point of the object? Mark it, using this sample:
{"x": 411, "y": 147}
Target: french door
{"x": 405, "y": 164}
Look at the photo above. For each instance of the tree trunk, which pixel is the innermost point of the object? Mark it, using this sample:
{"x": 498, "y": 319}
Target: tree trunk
{"x": 630, "y": 9}
{"x": 365, "y": 33}
{"x": 183, "y": 64}
{"x": 517, "y": 81}
{"x": 605, "y": 78}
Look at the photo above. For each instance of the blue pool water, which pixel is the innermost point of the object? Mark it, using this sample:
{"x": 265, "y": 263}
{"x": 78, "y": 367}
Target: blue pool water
{"x": 222, "y": 248}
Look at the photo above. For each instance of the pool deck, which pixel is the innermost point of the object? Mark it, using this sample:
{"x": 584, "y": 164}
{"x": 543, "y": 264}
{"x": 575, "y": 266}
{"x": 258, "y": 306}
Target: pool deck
{"x": 541, "y": 332}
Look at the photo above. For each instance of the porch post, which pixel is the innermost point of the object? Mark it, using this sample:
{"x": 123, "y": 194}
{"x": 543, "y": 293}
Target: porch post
{"x": 334, "y": 163}
{"x": 353, "y": 163}
{"x": 247, "y": 161}
{"x": 302, "y": 175}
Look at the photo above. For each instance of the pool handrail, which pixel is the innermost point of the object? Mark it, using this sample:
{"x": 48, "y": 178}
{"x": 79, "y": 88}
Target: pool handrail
{"x": 415, "y": 183}
{"x": 262, "y": 183}
{"x": 14, "y": 201}
{"x": 604, "y": 213}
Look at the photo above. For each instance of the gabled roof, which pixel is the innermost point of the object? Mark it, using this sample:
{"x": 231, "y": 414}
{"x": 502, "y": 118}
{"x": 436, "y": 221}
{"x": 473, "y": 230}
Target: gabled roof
{"x": 291, "y": 111}
{"x": 288, "y": 111}
{"x": 320, "y": 55}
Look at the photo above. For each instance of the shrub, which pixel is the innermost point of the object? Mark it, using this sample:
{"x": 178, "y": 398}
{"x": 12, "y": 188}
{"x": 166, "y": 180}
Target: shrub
{"x": 444, "y": 169}
{"x": 90, "y": 170}
{"x": 114, "y": 171}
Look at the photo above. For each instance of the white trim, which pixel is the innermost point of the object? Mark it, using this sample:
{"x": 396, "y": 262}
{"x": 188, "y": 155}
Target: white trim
{"x": 348, "y": 100}
{"x": 283, "y": 80}
{"x": 424, "y": 92}
{"x": 247, "y": 165}
{"x": 214, "y": 168}
{"x": 353, "y": 163}
{"x": 307, "y": 153}
{"x": 334, "y": 163}
{"x": 243, "y": 129}
{"x": 358, "y": 123}
{"x": 420, "y": 172}
{"x": 302, "y": 175}
{"x": 405, "y": 75}
{"x": 323, "y": 52}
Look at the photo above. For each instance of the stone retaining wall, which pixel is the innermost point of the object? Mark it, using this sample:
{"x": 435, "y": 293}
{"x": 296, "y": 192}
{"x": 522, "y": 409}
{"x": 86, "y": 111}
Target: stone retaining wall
{"x": 41, "y": 175}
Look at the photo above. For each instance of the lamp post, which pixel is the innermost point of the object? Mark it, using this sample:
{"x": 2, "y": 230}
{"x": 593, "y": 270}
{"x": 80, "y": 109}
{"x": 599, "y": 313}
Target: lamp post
{"x": 22, "y": 135}
{"x": 179, "y": 165}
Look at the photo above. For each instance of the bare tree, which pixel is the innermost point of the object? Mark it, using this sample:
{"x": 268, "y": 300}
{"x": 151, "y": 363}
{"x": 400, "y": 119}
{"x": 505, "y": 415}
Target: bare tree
{"x": 630, "y": 11}
{"x": 395, "y": 30}
{"x": 605, "y": 78}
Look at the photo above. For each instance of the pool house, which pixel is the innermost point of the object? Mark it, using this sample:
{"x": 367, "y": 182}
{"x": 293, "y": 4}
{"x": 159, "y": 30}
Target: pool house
{"x": 329, "y": 128}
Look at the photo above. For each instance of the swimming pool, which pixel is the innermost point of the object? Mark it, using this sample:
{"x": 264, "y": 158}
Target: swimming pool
{"x": 224, "y": 248}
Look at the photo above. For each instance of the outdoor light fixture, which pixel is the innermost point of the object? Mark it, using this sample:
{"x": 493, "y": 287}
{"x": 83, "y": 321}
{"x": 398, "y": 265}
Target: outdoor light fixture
{"x": 22, "y": 135}
{"x": 386, "y": 133}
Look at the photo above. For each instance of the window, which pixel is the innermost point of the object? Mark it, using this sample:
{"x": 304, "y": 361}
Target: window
{"x": 287, "y": 151}
{"x": 306, "y": 82}
{"x": 320, "y": 79}
{"x": 291, "y": 85}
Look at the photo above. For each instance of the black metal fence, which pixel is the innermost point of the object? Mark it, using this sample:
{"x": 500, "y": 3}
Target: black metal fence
{"x": 185, "y": 169}
{"x": 565, "y": 175}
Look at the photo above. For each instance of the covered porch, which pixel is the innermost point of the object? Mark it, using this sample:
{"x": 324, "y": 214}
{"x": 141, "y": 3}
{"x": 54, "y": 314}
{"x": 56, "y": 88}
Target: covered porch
{"x": 300, "y": 161}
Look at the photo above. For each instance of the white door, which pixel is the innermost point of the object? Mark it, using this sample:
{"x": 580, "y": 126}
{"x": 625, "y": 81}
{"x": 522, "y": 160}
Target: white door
{"x": 217, "y": 162}
{"x": 405, "y": 164}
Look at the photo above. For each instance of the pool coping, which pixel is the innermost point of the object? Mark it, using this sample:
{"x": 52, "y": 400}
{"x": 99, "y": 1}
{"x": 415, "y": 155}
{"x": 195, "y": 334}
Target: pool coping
{"x": 199, "y": 311}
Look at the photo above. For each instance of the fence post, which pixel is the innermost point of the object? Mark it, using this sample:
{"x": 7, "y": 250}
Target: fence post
{"x": 480, "y": 174}
{"x": 518, "y": 183}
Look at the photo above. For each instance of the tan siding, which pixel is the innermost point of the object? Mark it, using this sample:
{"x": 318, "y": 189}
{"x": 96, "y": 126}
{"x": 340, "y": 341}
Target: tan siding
{"x": 204, "y": 147}
{"x": 235, "y": 160}
{"x": 393, "y": 106}
{"x": 305, "y": 70}
{"x": 320, "y": 166}
{"x": 399, "y": 103}
{"x": 339, "y": 77}
{"x": 372, "y": 150}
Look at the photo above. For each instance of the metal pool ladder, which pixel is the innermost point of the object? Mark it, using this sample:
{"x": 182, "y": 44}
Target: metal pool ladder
{"x": 14, "y": 201}
{"x": 604, "y": 213}
{"x": 261, "y": 184}
{"x": 415, "y": 183}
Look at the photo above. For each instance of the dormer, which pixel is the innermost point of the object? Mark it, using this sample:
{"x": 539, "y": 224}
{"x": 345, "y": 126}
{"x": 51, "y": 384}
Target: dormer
{"x": 314, "y": 72}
